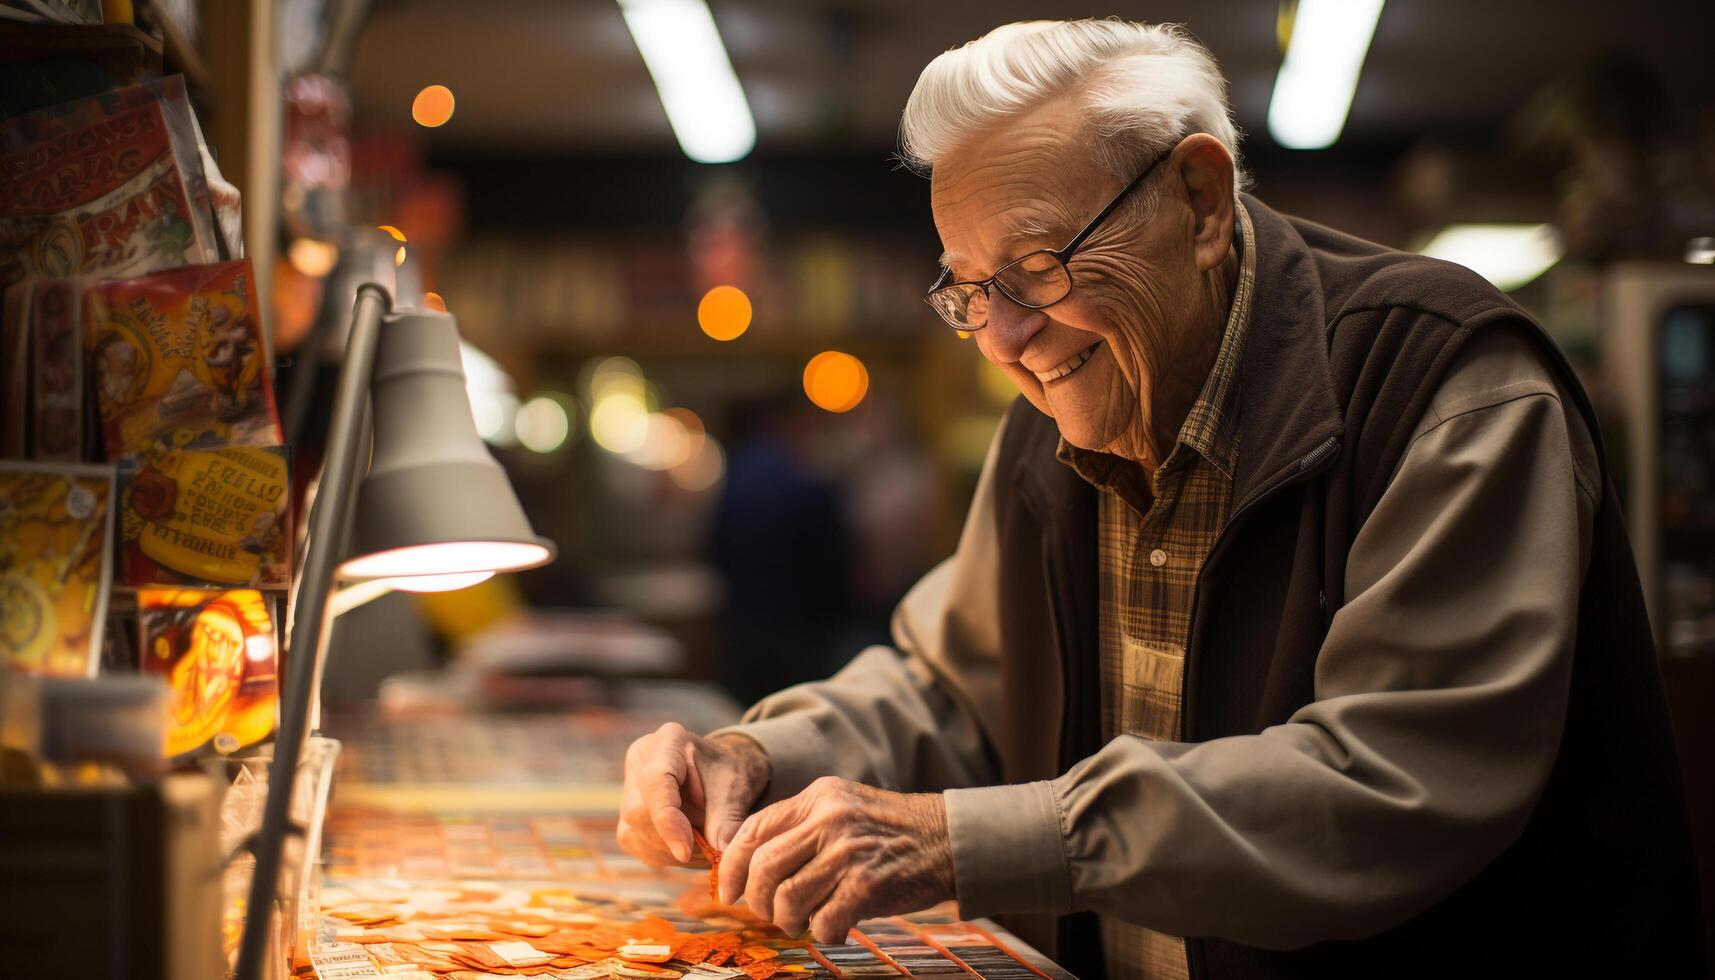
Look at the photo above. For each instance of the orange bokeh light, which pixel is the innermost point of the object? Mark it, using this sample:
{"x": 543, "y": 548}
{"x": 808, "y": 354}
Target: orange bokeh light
{"x": 434, "y": 301}
{"x": 836, "y": 381}
{"x": 433, "y": 106}
{"x": 724, "y": 313}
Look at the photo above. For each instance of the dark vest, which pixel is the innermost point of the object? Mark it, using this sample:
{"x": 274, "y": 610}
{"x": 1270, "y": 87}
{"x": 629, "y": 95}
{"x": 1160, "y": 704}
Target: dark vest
{"x": 1347, "y": 344}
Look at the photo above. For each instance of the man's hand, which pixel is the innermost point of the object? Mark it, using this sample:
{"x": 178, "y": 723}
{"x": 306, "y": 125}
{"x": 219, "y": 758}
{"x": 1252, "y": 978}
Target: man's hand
{"x": 675, "y": 780}
{"x": 838, "y": 853}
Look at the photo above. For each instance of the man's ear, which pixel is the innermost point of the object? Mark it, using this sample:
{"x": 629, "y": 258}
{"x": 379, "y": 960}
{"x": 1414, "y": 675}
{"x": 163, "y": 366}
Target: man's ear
{"x": 1206, "y": 169}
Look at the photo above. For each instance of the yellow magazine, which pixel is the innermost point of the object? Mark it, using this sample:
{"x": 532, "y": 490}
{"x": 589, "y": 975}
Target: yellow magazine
{"x": 215, "y": 518}
{"x": 219, "y": 655}
{"x": 179, "y": 352}
{"x": 56, "y": 525}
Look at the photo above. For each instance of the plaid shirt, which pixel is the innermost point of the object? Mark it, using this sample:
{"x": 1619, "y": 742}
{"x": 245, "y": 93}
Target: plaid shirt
{"x": 1152, "y": 541}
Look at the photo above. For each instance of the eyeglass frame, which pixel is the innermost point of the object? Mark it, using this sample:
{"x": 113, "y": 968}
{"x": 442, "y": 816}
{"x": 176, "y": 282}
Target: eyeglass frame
{"x": 1061, "y": 255}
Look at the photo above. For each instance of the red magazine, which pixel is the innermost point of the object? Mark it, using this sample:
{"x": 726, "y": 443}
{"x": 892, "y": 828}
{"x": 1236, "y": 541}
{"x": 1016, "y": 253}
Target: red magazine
{"x": 111, "y": 185}
{"x": 55, "y": 326}
{"x": 177, "y": 363}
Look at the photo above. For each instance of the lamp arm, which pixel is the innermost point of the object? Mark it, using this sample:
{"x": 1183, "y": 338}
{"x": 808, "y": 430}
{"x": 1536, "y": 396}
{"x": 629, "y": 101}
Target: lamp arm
{"x": 358, "y": 594}
{"x": 328, "y": 517}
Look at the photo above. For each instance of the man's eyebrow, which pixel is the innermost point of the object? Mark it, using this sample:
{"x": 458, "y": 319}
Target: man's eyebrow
{"x": 1030, "y": 229}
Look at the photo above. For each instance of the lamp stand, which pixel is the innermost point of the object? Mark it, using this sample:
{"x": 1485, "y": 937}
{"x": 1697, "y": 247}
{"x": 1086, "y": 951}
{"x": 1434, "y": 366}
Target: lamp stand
{"x": 330, "y": 517}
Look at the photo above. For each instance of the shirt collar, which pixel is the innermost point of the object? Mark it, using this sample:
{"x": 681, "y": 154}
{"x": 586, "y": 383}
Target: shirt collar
{"x": 1210, "y": 428}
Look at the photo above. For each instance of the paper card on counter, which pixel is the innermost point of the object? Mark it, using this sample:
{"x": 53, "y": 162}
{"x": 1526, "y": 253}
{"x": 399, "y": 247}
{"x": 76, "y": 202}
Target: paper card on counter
{"x": 520, "y": 953}
{"x": 646, "y": 952}
{"x": 638, "y": 971}
{"x": 342, "y": 961}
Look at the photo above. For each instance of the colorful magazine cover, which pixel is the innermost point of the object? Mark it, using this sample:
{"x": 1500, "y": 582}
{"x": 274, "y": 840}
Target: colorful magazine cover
{"x": 55, "y": 330}
{"x": 180, "y": 352}
{"x": 111, "y": 185}
{"x": 219, "y": 654}
{"x": 56, "y": 523}
{"x": 216, "y": 518}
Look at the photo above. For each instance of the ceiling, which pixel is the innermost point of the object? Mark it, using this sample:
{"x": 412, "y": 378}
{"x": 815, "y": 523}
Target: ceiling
{"x": 561, "y": 77}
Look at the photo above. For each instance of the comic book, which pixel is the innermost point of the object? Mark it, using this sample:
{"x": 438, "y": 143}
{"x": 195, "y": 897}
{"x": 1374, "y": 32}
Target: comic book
{"x": 216, "y": 518}
{"x": 219, "y": 654}
{"x": 42, "y": 353}
{"x": 111, "y": 185}
{"x": 56, "y": 523}
{"x": 55, "y": 330}
{"x": 177, "y": 361}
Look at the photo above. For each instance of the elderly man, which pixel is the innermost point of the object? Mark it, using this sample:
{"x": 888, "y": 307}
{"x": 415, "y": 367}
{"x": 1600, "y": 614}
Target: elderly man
{"x": 1293, "y": 630}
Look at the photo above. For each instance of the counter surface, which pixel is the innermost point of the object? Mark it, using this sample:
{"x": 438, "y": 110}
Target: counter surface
{"x": 472, "y": 844}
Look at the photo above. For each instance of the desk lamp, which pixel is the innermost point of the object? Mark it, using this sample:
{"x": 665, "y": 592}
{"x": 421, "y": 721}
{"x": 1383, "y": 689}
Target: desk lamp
{"x": 435, "y": 512}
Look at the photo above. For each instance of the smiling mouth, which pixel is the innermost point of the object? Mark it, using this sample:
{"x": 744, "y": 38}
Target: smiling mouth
{"x": 1077, "y": 361}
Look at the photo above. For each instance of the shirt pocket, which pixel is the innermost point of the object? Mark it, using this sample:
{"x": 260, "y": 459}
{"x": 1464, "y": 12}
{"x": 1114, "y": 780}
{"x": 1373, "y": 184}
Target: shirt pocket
{"x": 1152, "y": 684}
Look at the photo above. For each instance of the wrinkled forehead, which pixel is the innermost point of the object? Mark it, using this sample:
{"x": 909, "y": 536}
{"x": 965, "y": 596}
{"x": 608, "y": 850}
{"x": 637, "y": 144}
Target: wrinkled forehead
{"x": 1028, "y": 181}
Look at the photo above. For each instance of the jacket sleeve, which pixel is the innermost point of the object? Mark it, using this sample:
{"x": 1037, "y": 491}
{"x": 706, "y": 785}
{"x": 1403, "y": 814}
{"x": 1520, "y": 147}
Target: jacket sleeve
{"x": 910, "y": 717}
{"x": 1441, "y": 693}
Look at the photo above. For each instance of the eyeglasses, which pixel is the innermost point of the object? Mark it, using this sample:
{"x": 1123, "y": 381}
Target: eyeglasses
{"x": 1034, "y": 281}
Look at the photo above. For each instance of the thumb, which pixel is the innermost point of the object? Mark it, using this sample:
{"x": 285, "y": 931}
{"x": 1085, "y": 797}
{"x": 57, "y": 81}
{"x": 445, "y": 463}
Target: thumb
{"x": 725, "y": 806}
{"x": 721, "y": 824}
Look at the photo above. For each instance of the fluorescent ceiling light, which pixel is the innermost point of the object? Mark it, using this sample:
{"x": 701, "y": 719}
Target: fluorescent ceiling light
{"x": 1509, "y": 256}
{"x": 1319, "y": 75}
{"x": 694, "y": 77}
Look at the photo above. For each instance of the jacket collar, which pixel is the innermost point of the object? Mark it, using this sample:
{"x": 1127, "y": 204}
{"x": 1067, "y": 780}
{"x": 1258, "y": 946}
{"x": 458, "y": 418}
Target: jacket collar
{"x": 1287, "y": 411}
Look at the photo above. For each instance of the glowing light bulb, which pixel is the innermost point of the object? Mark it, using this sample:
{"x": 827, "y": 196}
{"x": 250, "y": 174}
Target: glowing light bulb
{"x": 542, "y": 424}
{"x": 433, "y": 106}
{"x": 311, "y": 257}
{"x": 835, "y": 381}
{"x": 724, "y": 313}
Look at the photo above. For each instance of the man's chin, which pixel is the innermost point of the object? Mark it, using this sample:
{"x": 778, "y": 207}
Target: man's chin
{"x": 1082, "y": 435}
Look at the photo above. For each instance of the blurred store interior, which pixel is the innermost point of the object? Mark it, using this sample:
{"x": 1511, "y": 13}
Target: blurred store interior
{"x": 688, "y": 478}
{"x": 1566, "y": 151}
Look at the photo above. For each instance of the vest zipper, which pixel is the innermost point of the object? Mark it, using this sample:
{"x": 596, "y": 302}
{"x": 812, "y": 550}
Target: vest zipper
{"x": 1313, "y": 463}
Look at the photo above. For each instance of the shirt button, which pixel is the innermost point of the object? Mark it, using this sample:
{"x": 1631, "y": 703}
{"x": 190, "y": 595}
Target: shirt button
{"x": 1158, "y": 558}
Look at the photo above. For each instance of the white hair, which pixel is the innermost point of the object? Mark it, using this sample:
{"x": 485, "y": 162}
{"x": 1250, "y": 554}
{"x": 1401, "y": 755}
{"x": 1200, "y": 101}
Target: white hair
{"x": 1142, "y": 88}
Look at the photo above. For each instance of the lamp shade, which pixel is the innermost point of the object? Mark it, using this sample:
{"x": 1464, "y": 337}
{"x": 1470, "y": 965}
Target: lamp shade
{"x": 435, "y": 502}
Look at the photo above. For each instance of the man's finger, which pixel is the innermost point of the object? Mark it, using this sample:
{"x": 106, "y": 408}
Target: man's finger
{"x": 723, "y": 809}
{"x": 756, "y": 830}
{"x": 634, "y": 817}
{"x": 838, "y": 915}
{"x": 660, "y": 779}
{"x": 644, "y": 846}
{"x": 773, "y": 862}
{"x": 696, "y": 792}
{"x": 799, "y": 897}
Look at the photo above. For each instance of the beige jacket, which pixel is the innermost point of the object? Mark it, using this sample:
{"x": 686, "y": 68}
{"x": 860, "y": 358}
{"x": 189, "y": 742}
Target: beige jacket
{"x": 1310, "y": 822}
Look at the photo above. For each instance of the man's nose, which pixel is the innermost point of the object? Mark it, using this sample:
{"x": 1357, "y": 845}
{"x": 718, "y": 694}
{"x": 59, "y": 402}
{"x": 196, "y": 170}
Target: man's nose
{"x": 1011, "y": 326}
